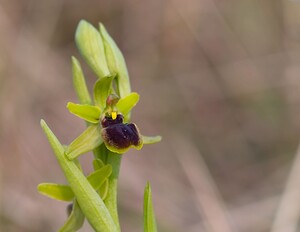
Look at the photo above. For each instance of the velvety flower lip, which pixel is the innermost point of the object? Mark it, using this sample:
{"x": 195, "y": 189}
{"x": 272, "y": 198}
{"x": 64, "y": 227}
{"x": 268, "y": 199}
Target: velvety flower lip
{"x": 118, "y": 136}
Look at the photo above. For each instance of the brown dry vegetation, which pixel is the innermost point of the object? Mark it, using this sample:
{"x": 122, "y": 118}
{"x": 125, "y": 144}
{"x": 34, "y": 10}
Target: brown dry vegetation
{"x": 219, "y": 80}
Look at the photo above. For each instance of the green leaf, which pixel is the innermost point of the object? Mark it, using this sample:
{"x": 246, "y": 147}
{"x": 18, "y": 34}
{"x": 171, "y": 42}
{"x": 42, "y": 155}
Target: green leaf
{"x": 102, "y": 89}
{"x": 64, "y": 192}
{"x": 103, "y": 191}
{"x": 98, "y": 177}
{"x": 75, "y": 220}
{"x": 149, "y": 218}
{"x": 88, "y": 199}
{"x": 56, "y": 191}
{"x": 79, "y": 83}
{"x": 90, "y": 45}
{"x": 97, "y": 164}
{"x": 126, "y": 104}
{"x": 86, "y": 112}
{"x": 116, "y": 63}
{"x": 87, "y": 141}
{"x": 151, "y": 139}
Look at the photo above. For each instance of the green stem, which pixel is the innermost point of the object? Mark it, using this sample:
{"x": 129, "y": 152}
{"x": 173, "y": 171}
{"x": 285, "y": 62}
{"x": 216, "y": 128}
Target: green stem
{"x": 111, "y": 201}
{"x": 114, "y": 160}
{"x": 101, "y": 153}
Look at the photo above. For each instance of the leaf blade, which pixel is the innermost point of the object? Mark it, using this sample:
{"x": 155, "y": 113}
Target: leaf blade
{"x": 88, "y": 199}
{"x": 98, "y": 177}
{"x": 103, "y": 191}
{"x": 75, "y": 220}
{"x": 149, "y": 218}
{"x": 79, "y": 83}
{"x": 97, "y": 164}
{"x": 56, "y": 191}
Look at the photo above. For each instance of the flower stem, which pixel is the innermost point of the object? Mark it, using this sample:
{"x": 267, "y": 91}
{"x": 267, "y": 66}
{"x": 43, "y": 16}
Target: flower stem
{"x": 114, "y": 160}
{"x": 111, "y": 201}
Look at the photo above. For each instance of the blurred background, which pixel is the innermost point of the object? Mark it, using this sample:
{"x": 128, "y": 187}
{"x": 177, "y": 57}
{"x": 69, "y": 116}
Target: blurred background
{"x": 219, "y": 80}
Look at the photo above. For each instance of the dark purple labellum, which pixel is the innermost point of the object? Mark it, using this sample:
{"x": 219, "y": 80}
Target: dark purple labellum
{"x": 118, "y": 136}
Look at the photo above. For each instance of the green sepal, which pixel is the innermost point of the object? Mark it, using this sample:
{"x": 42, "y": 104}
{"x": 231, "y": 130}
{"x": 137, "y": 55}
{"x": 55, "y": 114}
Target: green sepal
{"x": 86, "y": 112}
{"x": 89, "y": 201}
{"x": 116, "y": 63}
{"x": 56, "y": 191}
{"x": 126, "y": 104}
{"x": 149, "y": 217}
{"x": 90, "y": 45}
{"x": 87, "y": 141}
{"x": 79, "y": 83}
{"x": 151, "y": 139}
{"x": 75, "y": 220}
{"x": 102, "y": 89}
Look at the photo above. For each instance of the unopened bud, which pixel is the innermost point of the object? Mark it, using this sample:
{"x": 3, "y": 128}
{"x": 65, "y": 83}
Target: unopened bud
{"x": 112, "y": 100}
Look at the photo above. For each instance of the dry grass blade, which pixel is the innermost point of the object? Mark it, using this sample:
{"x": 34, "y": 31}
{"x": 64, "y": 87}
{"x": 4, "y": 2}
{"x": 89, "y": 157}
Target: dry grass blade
{"x": 288, "y": 212}
{"x": 207, "y": 196}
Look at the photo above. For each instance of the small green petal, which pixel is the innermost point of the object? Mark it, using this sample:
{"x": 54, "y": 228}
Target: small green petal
{"x": 149, "y": 218}
{"x": 87, "y": 141}
{"x": 116, "y": 63}
{"x": 151, "y": 139}
{"x": 56, "y": 191}
{"x": 80, "y": 84}
{"x": 98, "y": 177}
{"x": 90, "y": 45}
{"x": 75, "y": 220}
{"x": 102, "y": 89}
{"x": 126, "y": 104}
{"x": 86, "y": 112}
